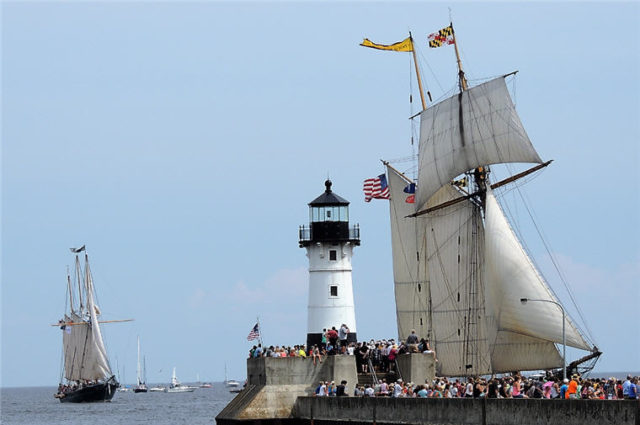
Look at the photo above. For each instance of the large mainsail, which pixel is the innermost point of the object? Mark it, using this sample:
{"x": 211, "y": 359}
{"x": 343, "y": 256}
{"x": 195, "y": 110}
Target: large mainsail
{"x": 454, "y": 236}
{"x": 474, "y": 128}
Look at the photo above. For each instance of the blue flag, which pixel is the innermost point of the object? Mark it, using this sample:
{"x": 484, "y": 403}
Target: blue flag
{"x": 411, "y": 188}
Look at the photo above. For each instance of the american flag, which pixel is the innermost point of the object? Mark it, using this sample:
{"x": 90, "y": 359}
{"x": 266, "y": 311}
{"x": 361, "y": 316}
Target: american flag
{"x": 376, "y": 188}
{"x": 254, "y": 334}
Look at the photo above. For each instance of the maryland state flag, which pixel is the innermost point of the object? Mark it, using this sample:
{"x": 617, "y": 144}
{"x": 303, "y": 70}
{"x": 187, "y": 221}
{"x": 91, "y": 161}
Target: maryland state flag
{"x": 405, "y": 45}
{"x": 444, "y": 36}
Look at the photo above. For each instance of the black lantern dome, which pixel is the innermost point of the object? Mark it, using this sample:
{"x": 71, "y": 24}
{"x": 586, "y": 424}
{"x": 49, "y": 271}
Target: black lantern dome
{"x": 329, "y": 220}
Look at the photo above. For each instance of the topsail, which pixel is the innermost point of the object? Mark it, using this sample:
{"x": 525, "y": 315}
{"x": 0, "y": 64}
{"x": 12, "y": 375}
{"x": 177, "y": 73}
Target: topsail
{"x": 475, "y": 128}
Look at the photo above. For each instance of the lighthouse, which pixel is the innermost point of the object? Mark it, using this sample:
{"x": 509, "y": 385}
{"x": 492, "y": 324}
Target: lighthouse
{"x": 329, "y": 241}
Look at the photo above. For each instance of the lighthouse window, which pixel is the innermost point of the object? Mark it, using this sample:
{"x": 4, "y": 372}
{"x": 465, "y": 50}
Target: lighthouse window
{"x": 332, "y": 255}
{"x": 333, "y": 290}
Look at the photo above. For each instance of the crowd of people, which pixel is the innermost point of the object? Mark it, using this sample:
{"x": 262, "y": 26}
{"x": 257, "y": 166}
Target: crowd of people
{"x": 513, "y": 386}
{"x": 381, "y": 355}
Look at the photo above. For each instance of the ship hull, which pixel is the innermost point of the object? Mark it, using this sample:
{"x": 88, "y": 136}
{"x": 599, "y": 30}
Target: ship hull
{"x": 92, "y": 393}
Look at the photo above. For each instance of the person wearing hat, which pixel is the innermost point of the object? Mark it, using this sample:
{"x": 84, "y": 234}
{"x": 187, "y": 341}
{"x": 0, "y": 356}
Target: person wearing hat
{"x": 572, "y": 388}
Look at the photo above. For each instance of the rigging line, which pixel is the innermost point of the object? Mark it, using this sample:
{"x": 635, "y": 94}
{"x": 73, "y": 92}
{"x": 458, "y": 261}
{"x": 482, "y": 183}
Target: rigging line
{"x": 435, "y": 78}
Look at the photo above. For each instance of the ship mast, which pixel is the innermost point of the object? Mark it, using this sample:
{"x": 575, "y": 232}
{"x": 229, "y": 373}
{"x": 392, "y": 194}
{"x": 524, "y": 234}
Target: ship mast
{"x": 472, "y": 333}
{"x": 415, "y": 61}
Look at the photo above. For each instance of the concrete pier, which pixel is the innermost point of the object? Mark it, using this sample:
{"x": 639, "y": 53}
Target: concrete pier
{"x": 281, "y": 391}
{"x": 431, "y": 411}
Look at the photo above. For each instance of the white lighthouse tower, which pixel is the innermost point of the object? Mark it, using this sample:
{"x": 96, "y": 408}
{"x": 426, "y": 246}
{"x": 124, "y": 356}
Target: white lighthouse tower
{"x": 329, "y": 242}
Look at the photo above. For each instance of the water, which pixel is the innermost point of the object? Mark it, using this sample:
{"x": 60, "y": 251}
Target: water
{"x": 36, "y": 405}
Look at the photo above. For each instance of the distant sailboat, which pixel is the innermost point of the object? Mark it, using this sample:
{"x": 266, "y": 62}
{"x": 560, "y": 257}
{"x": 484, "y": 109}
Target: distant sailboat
{"x": 229, "y": 383}
{"x": 176, "y": 386}
{"x": 142, "y": 376}
{"x": 87, "y": 372}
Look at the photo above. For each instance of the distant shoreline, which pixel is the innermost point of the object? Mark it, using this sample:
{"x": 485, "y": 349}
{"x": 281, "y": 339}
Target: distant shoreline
{"x": 617, "y": 375}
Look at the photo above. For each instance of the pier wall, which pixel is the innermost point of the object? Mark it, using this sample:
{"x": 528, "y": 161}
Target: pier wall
{"x": 274, "y": 385}
{"x": 300, "y": 371}
{"x": 383, "y": 410}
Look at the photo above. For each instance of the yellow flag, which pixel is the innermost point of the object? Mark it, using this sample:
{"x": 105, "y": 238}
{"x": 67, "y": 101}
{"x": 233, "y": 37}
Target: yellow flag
{"x": 401, "y": 46}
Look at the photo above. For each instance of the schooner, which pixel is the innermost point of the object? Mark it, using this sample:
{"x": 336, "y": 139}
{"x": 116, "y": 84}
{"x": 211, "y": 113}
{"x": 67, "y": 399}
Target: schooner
{"x": 86, "y": 375}
{"x": 461, "y": 276}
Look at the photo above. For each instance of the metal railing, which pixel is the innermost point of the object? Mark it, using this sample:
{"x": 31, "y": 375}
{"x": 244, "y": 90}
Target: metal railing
{"x": 305, "y": 233}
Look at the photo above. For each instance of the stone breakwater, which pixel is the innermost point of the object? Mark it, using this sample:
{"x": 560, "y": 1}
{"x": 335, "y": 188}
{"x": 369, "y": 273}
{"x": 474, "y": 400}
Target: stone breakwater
{"x": 280, "y": 391}
{"x": 410, "y": 411}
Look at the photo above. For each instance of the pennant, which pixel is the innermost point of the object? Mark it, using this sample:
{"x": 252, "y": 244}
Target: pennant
{"x": 405, "y": 45}
{"x": 444, "y": 36}
{"x": 411, "y": 199}
{"x": 411, "y": 188}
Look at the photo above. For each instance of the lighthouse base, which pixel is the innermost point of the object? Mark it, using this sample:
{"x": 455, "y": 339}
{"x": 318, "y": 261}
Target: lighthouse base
{"x": 316, "y": 339}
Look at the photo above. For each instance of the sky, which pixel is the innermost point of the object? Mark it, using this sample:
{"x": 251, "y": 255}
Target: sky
{"x": 182, "y": 141}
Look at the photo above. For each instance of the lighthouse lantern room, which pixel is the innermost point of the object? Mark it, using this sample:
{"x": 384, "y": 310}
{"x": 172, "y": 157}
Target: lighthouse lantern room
{"x": 329, "y": 241}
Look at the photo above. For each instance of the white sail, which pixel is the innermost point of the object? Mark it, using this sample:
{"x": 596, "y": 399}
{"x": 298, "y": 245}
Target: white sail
{"x": 409, "y": 265}
{"x": 73, "y": 340}
{"x": 511, "y": 276}
{"x": 511, "y": 351}
{"x": 454, "y": 241}
{"x": 85, "y": 356}
{"x": 491, "y": 132}
{"x": 138, "y": 369}
{"x": 97, "y": 362}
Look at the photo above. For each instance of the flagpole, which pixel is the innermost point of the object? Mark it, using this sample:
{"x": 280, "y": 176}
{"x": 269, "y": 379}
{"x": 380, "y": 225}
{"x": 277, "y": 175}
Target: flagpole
{"x": 415, "y": 61}
{"x": 259, "y": 331}
{"x": 463, "y": 80}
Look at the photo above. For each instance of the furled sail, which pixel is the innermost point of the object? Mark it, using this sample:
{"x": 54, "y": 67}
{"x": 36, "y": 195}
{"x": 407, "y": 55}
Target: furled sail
{"x": 511, "y": 276}
{"x": 474, "y": 128}
{"x": 454, "y": 240}
{"x": 409, "y": 263}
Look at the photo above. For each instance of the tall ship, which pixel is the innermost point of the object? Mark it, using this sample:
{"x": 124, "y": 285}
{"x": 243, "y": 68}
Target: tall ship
{"x": 462, "y": 278}
{"x": 86, "y": 375}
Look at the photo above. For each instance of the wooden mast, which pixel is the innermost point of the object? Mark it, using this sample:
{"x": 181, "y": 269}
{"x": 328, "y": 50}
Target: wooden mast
{"x": 415, "y": 61}
{"x": 462, "y": 79}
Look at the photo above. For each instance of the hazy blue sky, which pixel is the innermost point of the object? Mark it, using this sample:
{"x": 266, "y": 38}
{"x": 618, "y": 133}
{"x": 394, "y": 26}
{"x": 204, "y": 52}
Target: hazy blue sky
{"x": 181, "y": 142}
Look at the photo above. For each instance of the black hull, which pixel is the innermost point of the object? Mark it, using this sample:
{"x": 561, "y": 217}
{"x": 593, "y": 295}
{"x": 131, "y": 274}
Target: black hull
{"x": 139, "y": 390}
{"x": 92, "y": 393}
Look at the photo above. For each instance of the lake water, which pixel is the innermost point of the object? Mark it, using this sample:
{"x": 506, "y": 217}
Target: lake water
{"x": 36, "y": 405}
